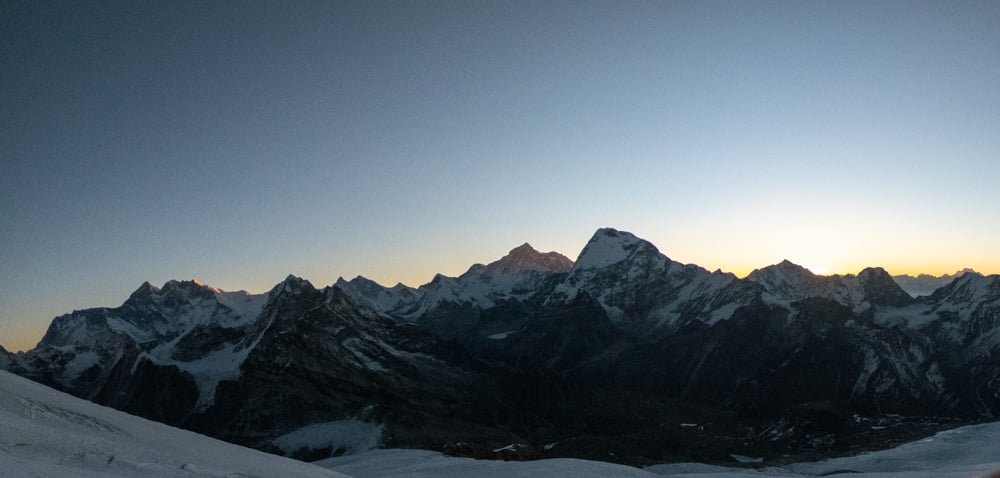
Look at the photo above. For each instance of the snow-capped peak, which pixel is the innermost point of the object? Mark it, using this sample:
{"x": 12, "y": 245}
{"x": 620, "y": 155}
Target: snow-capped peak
{"x": 784, "y": 276}
{"x": 787, "y": 282}
{"x": 202, "y": 284}
{"x": 513, "y": 276}
{"x": 610, "y": 246}
{"x": 384, "y": 299}
{"x": 620, "y": 270}
{"x": 516, "y": 274}
{"x": 969, "y": 287}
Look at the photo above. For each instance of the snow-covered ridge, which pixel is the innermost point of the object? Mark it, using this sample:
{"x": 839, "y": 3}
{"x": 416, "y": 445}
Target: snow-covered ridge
{"x": 787, "y": 282}
{"x": 166, "y": 321}
{"x": 514, "y": 276}
{"x": 152, "y": 314}
{"x": 926, "y": 284}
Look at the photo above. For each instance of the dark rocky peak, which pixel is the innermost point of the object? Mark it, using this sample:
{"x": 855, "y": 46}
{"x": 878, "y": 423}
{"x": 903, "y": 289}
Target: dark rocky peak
{"x": 340, "y": 298}
{"x": 610, "y": 246}
{"x": 525, "y": 258}
{"x": 879, "y": 288}
{"x": 336, "y": 295}
{"x": 173, "y": 292}
{"x": 7, "y": 359}
{"x": 292, "y": 285}
{"x": 144, "y": 293}
{"x": 187, "y": 289}
{"x": 361, "y": 284}
{"x": 286, "y": 302}
{"x": 874, "y": 274}
{"x": 382, "y": 298}
{"x": 524, "y": 250}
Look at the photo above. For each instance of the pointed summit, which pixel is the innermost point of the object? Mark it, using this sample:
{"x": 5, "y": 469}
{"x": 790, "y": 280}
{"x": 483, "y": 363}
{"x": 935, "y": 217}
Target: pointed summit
{"x": 782, "y": 271}
{"x": 523, "y": 249}
{"x": 786, "y": 279}
{"x": 144, "y": 293}
{"x": 787, "y": 264}
{"x": 292, "y": 284}
{"x": 610, "y": 246}
{"x": 145, "y": 289}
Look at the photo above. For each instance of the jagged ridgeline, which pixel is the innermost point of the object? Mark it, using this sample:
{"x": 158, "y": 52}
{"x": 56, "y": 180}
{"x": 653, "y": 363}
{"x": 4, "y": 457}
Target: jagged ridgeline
{"x": 622, "y": 355}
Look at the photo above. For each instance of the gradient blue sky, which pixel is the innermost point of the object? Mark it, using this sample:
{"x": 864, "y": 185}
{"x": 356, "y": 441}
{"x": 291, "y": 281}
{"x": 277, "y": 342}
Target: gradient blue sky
{"x": 238, "y": 142}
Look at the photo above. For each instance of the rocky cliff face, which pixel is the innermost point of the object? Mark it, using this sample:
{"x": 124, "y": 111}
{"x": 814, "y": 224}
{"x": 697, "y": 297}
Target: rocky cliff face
{"x": 611, "y": 353}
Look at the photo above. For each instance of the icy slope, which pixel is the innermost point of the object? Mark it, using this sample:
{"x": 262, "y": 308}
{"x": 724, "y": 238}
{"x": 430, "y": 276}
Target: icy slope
{"x": 47, "y": 433}
{"x": 423, "y": 463}
{"x": 969, "y": 451}
{"x": 966, "y": 452}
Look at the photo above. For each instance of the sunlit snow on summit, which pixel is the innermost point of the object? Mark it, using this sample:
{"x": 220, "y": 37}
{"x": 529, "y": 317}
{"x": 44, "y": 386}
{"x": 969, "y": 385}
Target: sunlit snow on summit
{"x": 817, "y": 269}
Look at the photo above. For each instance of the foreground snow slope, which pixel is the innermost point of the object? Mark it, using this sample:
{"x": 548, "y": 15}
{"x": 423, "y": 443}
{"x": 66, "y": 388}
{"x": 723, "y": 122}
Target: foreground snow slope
{"x": 966, "y": 452}
{"x": 422, "y": 463}
{"x": 46, "y": 433}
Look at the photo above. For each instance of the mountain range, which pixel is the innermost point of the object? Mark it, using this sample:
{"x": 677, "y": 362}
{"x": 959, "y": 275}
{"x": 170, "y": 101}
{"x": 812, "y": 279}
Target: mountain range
{"x": 621, "y": 355}
{"x": 926, "y": 284}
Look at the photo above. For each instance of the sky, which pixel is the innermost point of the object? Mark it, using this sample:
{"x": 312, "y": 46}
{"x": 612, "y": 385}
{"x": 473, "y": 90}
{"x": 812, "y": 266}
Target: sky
{"x": 239, "y": 142}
